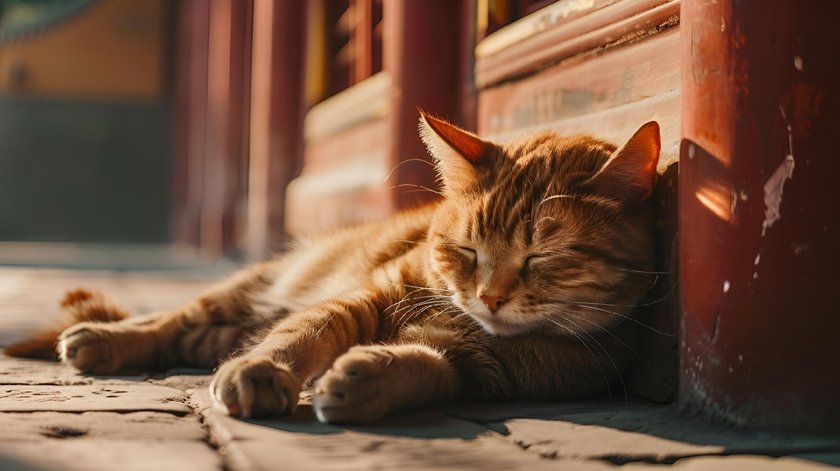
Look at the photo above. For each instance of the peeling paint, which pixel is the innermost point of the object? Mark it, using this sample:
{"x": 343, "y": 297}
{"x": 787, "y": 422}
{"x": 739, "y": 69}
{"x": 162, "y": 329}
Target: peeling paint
{"x": 773, "y": 190}
{"x": 757, "y": 259}
{"x": 797, "y": 62}
{"x": 774, "y": 187}
{"x": 726, "y": 286}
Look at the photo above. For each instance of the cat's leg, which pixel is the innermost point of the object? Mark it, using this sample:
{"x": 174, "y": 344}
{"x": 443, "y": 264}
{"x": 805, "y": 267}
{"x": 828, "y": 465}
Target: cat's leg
{"x": 440, "y": 365}
{"x": 199, "y": 334}
{"x": 268, "y": 379}
{"x": 366, "y": 383}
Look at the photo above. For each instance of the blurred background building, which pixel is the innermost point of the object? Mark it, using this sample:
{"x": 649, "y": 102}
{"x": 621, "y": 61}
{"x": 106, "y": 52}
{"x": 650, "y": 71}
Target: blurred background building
{"x": 225, "y": 126}
{"x": 166, "y": 133}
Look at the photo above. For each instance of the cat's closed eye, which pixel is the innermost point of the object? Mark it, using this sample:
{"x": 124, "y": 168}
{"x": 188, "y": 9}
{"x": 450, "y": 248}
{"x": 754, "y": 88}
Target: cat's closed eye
{"x": 532, "y": 262}
{"x": 466, "y": 251}
{"x": 466, "y": 257}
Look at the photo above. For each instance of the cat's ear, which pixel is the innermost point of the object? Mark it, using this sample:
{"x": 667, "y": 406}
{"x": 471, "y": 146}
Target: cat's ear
{"x": 457, "y": 153}
{"x": 630, "y": 173}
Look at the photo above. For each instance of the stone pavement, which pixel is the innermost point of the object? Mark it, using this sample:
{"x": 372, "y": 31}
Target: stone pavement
{"x": 54, "y": 418}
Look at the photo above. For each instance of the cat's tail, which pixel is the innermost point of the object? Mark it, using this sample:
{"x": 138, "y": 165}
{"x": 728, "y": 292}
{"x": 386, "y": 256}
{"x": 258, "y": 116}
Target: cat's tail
{"x": 79, "y": 305}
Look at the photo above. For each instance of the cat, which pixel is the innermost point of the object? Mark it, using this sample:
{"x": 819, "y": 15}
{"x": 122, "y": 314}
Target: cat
{"x": 519, "y": 284}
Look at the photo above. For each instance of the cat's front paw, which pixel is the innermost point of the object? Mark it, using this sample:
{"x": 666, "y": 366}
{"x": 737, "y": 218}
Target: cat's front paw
{"x": 354, "y": 390}
{"x": 255, "y": 386}
{"x": 89, "y": 348}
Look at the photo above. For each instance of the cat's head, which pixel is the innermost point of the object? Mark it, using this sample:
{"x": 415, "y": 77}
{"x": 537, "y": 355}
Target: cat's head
{"x": 545, "y": 232}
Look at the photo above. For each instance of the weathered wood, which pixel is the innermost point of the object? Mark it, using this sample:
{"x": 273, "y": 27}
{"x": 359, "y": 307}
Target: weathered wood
{"x": 547, "y": 37}
{"x": 420, "y": 71}
{"x": 343, "y": 180}
{"x": 609, "y": 96}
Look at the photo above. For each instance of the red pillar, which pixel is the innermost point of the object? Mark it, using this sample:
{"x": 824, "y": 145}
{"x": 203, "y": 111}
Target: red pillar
{"x": 423, "y": 55}
{"x": 760, "y": 212}
{"x": 189, "y": 111}
{"x": 276, "y": 119}
{"x": 228, "y": 93}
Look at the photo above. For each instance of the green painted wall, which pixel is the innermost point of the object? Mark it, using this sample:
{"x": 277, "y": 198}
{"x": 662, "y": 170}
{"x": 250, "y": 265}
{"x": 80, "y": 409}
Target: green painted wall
{"x": 84, "y": 171}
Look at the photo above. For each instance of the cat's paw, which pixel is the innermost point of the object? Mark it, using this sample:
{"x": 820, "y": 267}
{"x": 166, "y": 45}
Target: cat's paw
{"x": 89, "y": 347}
{"x": 355, "y": 389}
{"x": 255, "y": 386}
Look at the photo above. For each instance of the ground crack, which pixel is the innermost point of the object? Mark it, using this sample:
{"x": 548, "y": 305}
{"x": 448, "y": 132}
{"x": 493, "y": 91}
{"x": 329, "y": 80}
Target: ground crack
{"x": 63, "y": 432}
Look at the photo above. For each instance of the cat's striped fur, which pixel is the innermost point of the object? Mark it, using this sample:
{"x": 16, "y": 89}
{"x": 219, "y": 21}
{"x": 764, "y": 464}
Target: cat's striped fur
{"x": 517, "y": 285}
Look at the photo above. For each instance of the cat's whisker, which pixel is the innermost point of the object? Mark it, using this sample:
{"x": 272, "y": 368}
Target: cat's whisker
{"x": 324, "y": 326}
{"x": 417, "y": 288}
{"x": 555, "y": 197}
{"x": 588, "y": 348}
{"x": 401, "y": 300}
{"x": 663, "y": 298}
{"x": 607, "y": 354}
{"x": 629, "y": 348}
{"x": 419, "y": 308}
{"x": 411, "y": 311}
{"x": 645, "y": 272}
{"x": 423, "y": 310}
{"x": 395, "y": 167}
{"x": 427, "y": 288}
{"x": 410, "y": 185}
{"x": 398, "y": 303}
{"x": 457, "y": 316}
{"x": 416, "y": 297}
{"x": 434, "y": 300}
{"x": 447, "y": 310}
{"x": 623, "y": 316}
{"x": 644, "y": 304}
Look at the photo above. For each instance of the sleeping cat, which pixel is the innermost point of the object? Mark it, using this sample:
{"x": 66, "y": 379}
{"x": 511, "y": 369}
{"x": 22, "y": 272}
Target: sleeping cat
{"x": 519, "y": 284}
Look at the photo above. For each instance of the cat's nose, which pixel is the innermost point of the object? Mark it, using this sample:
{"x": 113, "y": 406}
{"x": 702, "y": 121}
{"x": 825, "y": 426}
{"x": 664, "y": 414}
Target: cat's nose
{"x": 492, "y": 301}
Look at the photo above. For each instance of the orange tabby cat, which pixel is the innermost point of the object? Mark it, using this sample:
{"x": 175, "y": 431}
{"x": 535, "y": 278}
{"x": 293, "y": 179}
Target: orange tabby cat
{"x": 520, "y": 284}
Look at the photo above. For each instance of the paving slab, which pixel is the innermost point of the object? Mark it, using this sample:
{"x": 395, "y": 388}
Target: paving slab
{"x": 31, "y": 372}
{"x": 145, "y": 425}
{"x": 53, "y": 418}
{"x": 425, "y": 439}
{"x": 109, "y": 455}
{"x": 114, "y": 397}
{"x": 183, "y": 378}
{"x": 636, "y": 431}
{"x": 739, "y": 463}
{"x": 16, "y": 371}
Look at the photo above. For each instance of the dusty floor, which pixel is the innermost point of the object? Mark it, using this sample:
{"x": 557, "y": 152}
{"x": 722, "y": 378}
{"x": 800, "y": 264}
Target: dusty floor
{"x": 53, "y": 418}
